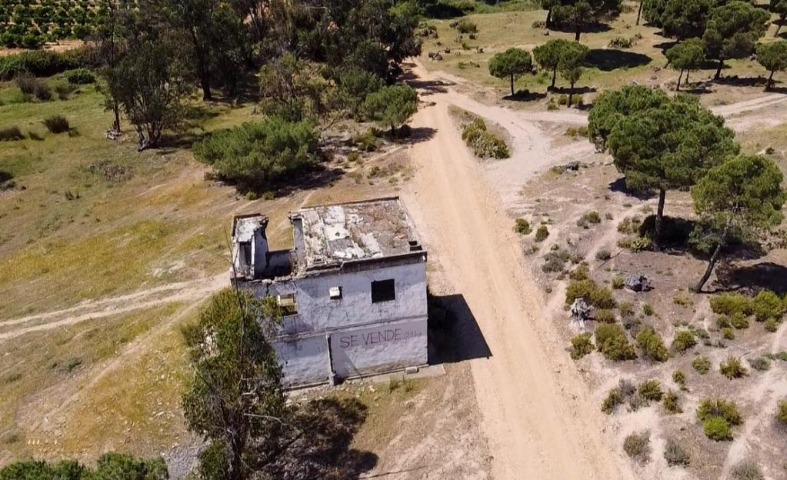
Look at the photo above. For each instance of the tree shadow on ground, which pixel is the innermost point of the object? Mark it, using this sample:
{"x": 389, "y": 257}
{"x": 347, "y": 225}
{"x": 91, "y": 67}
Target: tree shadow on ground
{"x": 737, "y": 81}
{"x": 598, "y": 27}
{"x": 418, "y": 135}
{"x": 575, "y": 90}
{"x": 454, "y": 334}
{"x": 608, "y": 60}
{"x": 664, "y": 46}
{"x": 525, "y": 96}
{"x": 429, "y": 87}
{"x": 761, "y": 276}
{"x": 5, "y": 176}
{"x": 323, "y": 449}
{"x": 619, "y": 186}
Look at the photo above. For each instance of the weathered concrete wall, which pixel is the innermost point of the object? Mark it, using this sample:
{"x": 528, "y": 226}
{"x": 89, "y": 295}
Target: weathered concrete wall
{"x": 319, "y": 313}
{"x": 304, "y": 361}
{"x": 355, "y": 352}
{"x": 380, "y": 348}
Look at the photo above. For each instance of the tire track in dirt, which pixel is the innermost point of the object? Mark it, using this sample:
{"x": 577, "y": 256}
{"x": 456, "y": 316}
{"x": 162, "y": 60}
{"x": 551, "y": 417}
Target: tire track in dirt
{"x": 535, "y": 411}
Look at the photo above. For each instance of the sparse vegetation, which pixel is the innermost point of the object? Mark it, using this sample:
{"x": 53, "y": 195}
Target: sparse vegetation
{"x": 597, "y": 296}
{"x": 542, "y": 233}
{"x": 672, "y": 402}
{"x": 605, "y": 316}
{"x": 679, "y": 378}
{"x": 675, "y": 454}
{"x": 683, "y": 341}
{"x": 728, "y": 333}
{"x": 781, "y": 412}
{"x": 57, "y": 124}
{"x": 603, "y": 255}
{"x": 733, "y": 368}
{"x": 611, "y": 341}
{"x": 701, "y": 364}
{"x": 484, "y": 143}
{"x": 760, "y": 364}
{"x": 650, "y": 390}
{"x": 746, "y": 470}
{"x": 637, "y": 446}
{"x": 522, "y": 227}
{"x": 652, "y": 345}
{"x": 618, "y": 283}
{"x": 581, "y": 345}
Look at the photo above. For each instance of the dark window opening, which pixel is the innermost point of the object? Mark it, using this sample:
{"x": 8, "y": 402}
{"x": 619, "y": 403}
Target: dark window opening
{"x": 383, "y": 291}
{"x": 245, "y": 249}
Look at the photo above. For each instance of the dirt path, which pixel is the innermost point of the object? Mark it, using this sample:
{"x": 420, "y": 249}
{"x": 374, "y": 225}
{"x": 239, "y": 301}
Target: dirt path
{"x": 535, "y": 411}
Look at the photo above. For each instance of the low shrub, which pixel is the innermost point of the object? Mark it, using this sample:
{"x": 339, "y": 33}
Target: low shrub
{"x": 746, "y": 470}
{"x": 620, "y": 42}
{"x": 723, "y": 321}
{"x": 40, "y": 63}
{"x": 731, "y": 303}
{"x": 618, "y": 283}
{"x": 672, "y": 402}
{"x": 701, "y": 364}
{"x": 580, "y": 273}
{"x": 613, "y": 399}
{"x": 465, "y": 26}
{"x": 484, "y": 143}
{"x": 605, "y": 316}
{"x": 611, "y": 341}
{"x": 10, "y": 134}
{"x": 637, "y": 446}
{"x": 675, "y": 454}
{"x": 604, "y": 255}
{"x": 522, "y": 226}
{"x": 592, "y": 217}
{"x": 652, "y": 345}
{"x": 56, "y": 124}
{"x": 80, "y": 76}
{"x": 717, "y": 429}
{"x": 648, "y": 310}
{"x": 629, "y": 225}
{"x": 553, "y": 264}
{"x": 626, "y": 309}
{"x": 650, "y": 390}
{"x": 760, "y": 364}
{"x": 542, "y": 233}
{"x": 718, "y": 407}
{"x": 739, "y": 321}
{"x": 733, "y": 368}
{"x": 728, "y": 333}
{"x": 767, "y": 305}
{"x": 679, "y": 378}
{"x": 683, "y": 341}
{"x": 781, "y": 412}
{"x": 597, "y": 296}
{"x": 771, "y": 325}
{"x": 581, "y": 345}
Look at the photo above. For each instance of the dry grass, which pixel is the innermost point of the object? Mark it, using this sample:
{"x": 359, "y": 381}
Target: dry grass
{"x": 644, "y": 62}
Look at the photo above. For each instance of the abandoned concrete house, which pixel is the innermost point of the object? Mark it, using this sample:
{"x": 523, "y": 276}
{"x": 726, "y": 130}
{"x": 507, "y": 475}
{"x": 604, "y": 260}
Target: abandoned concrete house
{"x": 353, "y": 289}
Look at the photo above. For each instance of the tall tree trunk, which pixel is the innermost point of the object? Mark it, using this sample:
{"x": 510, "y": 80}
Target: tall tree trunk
{"x": 549, "y": 18}
{"x": 718, "y": 71}
{"x": 677, "y": 87}
{"x": 116, "y": 111}
{"x": 769, "y": 85}
{"x": 659, "y": 220}
{"x": 512, "y": 85}
{"x": 204, "y": 82}
{"x": 779, "y": 26}
{"x": 577, "y": 34}
{"x": 711, "y": 264}
{"x": 687, "y": 77}
{"x": 639, "y": 11}
{"x": 571, "y": 94}
{"x": 554, "y": 78}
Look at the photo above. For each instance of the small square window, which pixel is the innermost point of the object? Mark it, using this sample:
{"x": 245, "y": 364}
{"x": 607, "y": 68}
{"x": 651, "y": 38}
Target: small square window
{"x": 335, "y": 293}
{"x": 288, "y": 304}
{"x": 383, "y": 291}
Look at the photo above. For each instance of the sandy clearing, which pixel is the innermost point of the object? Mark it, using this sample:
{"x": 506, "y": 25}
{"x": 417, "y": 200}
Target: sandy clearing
{"x": 536, "y": 413}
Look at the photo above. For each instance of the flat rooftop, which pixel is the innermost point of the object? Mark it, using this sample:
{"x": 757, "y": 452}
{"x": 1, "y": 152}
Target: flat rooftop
{"x": 334, "y": 234}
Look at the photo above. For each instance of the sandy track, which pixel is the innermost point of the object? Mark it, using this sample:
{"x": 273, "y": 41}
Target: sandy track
{"x": 535, "y": 411}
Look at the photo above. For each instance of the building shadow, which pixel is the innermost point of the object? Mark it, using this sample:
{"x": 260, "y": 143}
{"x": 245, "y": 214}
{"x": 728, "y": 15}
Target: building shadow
{"x": 454, "y": 334}
{"x": 761, "y": 276}
{"x": 320, "y": 446}
{"x": 608, "y": 60}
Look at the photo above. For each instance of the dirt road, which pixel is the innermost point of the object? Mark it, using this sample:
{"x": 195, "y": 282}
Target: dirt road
{"x": 535, "y": 411}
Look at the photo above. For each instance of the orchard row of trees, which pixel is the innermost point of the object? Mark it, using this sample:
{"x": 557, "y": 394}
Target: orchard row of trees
{"x": 153, "y": 51}
{"x": 662, "y": 143}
